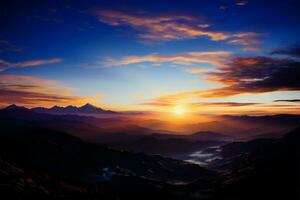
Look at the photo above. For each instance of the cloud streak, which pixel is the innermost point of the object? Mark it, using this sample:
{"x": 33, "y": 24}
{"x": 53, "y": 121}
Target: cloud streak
{"x": 172, "y": 27}
{"x": 6, "y": 46}
{"x": 32, "y": 91}
{"x": 243, "y": 75}
{"x": 248, "y": 41}
{"x": 5, "y": 65}
{"x": 161, "y": 102}
{"x": 241, "y": 2}
{"x": 293, "y": 50}
{"x": 215, "y": 58}
{"x": 288, "y": 100}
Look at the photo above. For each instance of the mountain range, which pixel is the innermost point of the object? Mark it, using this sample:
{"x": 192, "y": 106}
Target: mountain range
{"x": 85, "y": 109}
{"x": 45, "y": 163}
{"x": 261, "y": 168}
{"x": 115, "y": 128}
{"x": 50, "y": 164}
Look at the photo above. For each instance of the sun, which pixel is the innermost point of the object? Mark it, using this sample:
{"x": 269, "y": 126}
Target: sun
{"x": 179, "y": 110}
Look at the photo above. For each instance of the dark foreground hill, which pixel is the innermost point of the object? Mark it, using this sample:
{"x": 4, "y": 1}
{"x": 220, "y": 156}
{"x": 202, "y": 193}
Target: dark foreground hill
{"x": 106, "y": 131}
{"x": 177, "y": 148}
{"x": 261, "y": 169}
{"x": 37, "y": 161}
{"x": 49, "y": 164}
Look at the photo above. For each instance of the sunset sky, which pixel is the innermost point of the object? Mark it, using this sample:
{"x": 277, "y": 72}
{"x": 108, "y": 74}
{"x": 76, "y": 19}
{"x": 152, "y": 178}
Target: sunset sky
{"x": 210, "y": 56}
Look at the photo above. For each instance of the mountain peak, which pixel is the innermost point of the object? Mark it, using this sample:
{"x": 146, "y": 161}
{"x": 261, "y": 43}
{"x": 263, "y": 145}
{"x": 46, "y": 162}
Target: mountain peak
{"x": 15, "y": 107}
{"x": 85, "y": 109}
{"x": 56, "y": 107}
{"x": 89, "y": 108}
{"x": 88, "y": 105}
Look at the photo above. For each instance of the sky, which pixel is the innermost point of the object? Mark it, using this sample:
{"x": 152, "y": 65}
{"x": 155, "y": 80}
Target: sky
{"x": 208, "y": 56}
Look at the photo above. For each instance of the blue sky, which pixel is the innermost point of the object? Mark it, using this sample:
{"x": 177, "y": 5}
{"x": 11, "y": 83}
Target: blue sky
{"x": 83, "y": 36}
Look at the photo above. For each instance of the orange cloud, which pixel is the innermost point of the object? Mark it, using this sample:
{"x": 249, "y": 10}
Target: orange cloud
{"x": 166, "y": 103}
{"x": 248, "y": 40}
{"x": 31, "y": 91}
{"x": 198, "y": 70}
{"x": 4, "y": 65}
{"x": 167, "y": 27}
{"x": 164, "y": 27}
{"x": 173, "y": 100}
{"x": 215, "y": 58}
{"x": 242, "y": 75}
{"x": 167, "y": 100}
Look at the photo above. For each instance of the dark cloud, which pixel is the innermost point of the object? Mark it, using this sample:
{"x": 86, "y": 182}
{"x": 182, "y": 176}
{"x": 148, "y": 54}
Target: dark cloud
{"x": 231, "y": 104}
{"x": 293, "y": 50}
{"x": 288, "y": 100}
{"x": 256, "y": 75}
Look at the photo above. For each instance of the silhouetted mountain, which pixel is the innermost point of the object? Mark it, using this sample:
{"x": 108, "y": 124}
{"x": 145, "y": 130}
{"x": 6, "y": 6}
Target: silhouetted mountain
{"x": 13, "y": 107}
{"x": 198, "y": 136}
{"x": 262, "y": 169}
{"x": 101, "y": 130}
{"x": 210, "y": 136}
{"x": 38, "y": 158}
{"x": 85, "y": 109}
{"x": 287, "y": 119}
{"x": 249, "y": 127}
{"x": 53, "y": 164}
{"x": 118, "y": 136}
{"x": 17, "y": 183}
{"x": 172, "y": 147}
{"x": 64, "y": 154}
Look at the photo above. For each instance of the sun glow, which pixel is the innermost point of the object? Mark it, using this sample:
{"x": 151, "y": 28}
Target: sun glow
{"x": 179, "y": 110}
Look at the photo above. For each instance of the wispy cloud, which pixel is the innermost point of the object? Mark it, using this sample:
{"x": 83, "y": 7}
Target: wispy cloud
{"x": 6, "y": 46}
{"x": 241, "y": 2}
{"x": 187, "y": 100}
{"x": 169, "y": 27}
{"x": 198, "y": 70}
{"x": 225, "y": 104}
{"x": 293, "y": 50}
{"x": 215, "y": 58}
{"x": 288, "y": 100}
{"x": 32, "y": 91}
{"x": 167, "y": 101}
{"x": 243, "y": 75}
{"x": 248, "y": 41}
{"x": 5, "y": 65}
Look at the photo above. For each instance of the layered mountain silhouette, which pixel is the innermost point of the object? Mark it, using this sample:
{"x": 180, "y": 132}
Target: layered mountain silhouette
{"x": 172, "y": 147}
{"x": 244, "y": 127}
{"x": 85, "y": 109}
{"x": 127, "y": 135}
{"x": 261, "y": 169}
{"x": 112, "y": 132}
{"x": 13, "y": 107}
{"x": 223, "y": 128}
{"x": 49, "y": 164}
{"x": 41, "y": 157}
